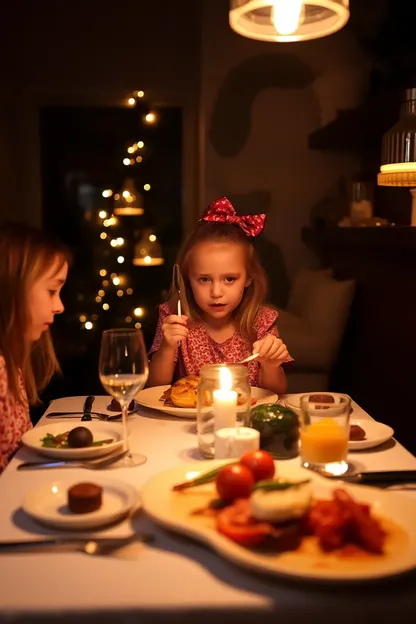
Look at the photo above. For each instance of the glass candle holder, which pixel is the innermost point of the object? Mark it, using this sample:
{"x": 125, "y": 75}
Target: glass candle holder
{"x": 223, "y": 401}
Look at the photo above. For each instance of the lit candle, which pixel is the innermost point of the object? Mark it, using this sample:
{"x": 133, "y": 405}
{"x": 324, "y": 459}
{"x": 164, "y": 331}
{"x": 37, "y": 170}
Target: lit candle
{"x": 225, "y": 402}
{"x": 233, "y": 442}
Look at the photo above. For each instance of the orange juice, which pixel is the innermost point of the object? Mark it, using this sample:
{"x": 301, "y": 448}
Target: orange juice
{"x": 324, "y": 441}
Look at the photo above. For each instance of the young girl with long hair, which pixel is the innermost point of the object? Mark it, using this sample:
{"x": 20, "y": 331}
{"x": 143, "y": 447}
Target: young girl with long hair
{"x": 33, "y": 269}
{"x": 222, "y": 300}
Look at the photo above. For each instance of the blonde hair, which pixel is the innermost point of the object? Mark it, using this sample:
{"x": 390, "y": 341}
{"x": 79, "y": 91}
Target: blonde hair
{"x": 26, "y": 255}
{"x": 254, "y": 296}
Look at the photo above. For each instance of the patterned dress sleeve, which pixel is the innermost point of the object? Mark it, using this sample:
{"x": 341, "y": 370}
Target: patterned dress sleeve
{"x": 14, "y": 418}
{"x": 164, "y": 311}
{"x": 266, "y": 324}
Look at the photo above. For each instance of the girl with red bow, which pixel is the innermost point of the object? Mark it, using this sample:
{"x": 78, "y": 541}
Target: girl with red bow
{"x": 222, "y": 295}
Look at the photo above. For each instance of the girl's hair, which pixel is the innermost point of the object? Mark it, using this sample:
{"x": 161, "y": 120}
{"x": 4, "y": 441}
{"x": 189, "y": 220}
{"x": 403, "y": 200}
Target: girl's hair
{"x": 26, "y": 255}
{"x": 254, "y": 294}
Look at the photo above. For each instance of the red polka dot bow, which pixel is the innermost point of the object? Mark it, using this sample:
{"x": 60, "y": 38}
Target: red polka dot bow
{"x": 222, "y": 211}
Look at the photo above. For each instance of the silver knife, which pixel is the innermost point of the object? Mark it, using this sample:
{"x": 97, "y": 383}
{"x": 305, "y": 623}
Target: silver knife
{"x": 101, "y": 462}
{"x": 378, "y": 478}
{"x": 91, "y": 546}
{"x": 87, "y": 407}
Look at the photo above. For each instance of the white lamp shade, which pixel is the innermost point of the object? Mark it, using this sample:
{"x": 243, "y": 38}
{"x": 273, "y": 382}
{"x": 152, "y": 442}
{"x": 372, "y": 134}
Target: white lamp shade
{"x": 148, "y": 251}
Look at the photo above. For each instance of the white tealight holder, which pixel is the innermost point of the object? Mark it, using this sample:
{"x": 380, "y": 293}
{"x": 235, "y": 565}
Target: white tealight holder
{"x": 233, "y": 442}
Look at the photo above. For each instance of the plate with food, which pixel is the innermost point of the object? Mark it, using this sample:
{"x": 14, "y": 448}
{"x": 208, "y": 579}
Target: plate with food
{"x": 91, "y": 439}
{"x": 73, "y": 504}
{"x": 180, "y": 398}
{"x": 293, "y": 400}
{"x": 366, "y": 434}
{"x": 280, "y": 519}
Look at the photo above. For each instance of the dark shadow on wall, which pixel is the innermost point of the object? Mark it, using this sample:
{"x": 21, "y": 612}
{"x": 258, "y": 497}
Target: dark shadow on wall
{"x": 269, "y": 252}
{"x": 230, "y": 119}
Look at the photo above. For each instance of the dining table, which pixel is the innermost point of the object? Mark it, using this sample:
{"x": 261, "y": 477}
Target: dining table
{"x": 173, "y": 578}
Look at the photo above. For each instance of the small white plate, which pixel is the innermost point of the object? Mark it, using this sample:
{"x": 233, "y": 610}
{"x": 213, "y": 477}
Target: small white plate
{"x": 48, "y": 504}
{"x": 150, "y": 397}
{"x": 100, "y": 431}
{"x": 376, "y": 434}
{"x": 293, "y": 400}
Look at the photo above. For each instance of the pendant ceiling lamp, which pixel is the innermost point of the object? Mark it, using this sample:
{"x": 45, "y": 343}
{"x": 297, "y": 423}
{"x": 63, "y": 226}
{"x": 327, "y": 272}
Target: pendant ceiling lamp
{"x": 128, "y": 202}
{"x": 287, "y": 20}
{"x": 398, "y": 152}
{"x": 148, "y": 251}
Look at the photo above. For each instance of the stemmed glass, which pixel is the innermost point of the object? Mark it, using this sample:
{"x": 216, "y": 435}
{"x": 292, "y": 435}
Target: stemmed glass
{"x": 123, "y": 371}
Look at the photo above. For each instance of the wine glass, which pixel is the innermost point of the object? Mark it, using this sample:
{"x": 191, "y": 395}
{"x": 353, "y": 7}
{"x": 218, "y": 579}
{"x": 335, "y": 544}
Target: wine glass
{"x": 123, "y": 371}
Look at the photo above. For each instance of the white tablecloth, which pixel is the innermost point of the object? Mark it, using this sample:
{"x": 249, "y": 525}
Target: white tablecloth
{"x": 173, "y": 579}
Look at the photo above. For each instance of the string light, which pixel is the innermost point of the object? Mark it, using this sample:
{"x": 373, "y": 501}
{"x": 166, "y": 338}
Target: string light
{"x": 150, "y": 118}
{"x": 98, "y": 299}
{"x": 102, "y": 214}
{"x": 128, "y": 319}
{"x": 103, "y": 235}
{"x": 138, "y": 311}
{"x": 82, "y": 318}
{"x": 139, "y": 159}
{"x": 131, "y": 101}
{"x": 107, "y": 193}
{"x": 120, "y": 293}
{"x": 101, "y": 293}
{"x": 120, "y": 259}
{"x": 106, "y": 306}
{"x": 140, "y": 144}
{"x": 116, "y": 281}
{"x": 138, "y": 325}
{"x": 147, "y": 187}
{"x": 103, "y": 272}
{"x": 88, "y": 325}
{"x": 105, "y": 283}
{"x": 129, "y": 291}
{"x": 139, "y": 94}
{"x": 126, "y": 161}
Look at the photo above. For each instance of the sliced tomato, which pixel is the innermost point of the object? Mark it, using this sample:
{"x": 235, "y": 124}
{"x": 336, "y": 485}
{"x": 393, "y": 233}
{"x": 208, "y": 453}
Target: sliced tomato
{"x": 260, "y": 463}
{"x": 236, "y": 523}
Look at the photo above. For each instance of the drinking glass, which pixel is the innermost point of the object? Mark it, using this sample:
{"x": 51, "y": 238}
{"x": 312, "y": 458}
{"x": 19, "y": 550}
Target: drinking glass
{"x": 123, "y": 371}
{"x": 324, "y": 432}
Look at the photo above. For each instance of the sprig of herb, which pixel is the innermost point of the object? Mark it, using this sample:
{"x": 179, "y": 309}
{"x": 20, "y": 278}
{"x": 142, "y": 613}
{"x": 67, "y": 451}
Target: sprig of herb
{"x": 269, "y": 486}
{"x": 201, "y": 479}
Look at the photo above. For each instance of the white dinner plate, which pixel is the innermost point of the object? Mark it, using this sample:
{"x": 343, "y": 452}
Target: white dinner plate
{"x": 150, "y": 397}
{"x": 48, "y": 504}
{"x": 376, "y": 434}
{"x": 174, "y": 511}
{"x": 100, "y": 431}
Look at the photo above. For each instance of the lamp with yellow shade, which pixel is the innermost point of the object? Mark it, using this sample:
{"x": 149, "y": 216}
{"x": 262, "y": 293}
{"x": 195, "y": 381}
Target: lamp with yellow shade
{"x": 288, "y": 20}
{"x": 148, "y": 251}
{"x": 129, "y": 201}
{"x": 398, "y": 156}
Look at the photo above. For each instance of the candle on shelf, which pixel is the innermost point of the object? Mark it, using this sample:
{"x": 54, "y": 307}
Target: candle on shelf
{"x": 233, "y": 442}
{"x": 225, "y": 401}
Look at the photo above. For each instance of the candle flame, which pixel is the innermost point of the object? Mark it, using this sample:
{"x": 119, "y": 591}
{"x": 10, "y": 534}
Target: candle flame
{"x": 226, "y": 380}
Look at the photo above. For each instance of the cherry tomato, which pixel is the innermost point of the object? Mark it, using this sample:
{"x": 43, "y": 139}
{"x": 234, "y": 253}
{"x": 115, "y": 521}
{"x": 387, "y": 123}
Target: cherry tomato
{"x": 260, "y": 463}
{"x": 235, "y": 481}
{"x": 236, "y": 523}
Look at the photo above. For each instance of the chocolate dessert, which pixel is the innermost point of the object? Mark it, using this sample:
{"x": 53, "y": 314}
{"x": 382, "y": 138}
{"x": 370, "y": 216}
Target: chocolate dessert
{"x": 357, "y": 433}
{"x": 84, "y": 498}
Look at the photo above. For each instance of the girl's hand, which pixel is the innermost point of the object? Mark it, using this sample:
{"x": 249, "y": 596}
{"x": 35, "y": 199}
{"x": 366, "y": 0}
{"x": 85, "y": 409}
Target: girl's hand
{"x": 272, "y": 351}
{"x": 174, "y": 330}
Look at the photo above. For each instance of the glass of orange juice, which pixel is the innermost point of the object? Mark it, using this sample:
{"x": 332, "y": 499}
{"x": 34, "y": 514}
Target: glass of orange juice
{"x": 324, "y": 431}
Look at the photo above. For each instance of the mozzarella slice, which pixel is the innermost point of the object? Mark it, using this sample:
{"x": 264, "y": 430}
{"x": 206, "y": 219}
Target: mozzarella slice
{"x": 281, "y": 505}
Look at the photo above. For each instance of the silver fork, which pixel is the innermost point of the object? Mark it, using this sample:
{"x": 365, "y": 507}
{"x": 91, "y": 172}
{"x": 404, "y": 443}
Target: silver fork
{"x": 92, "y": 464}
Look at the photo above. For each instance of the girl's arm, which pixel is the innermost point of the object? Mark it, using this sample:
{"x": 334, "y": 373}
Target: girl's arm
{"x": 162, "y": 366}
{"x": 272, "y": 378}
